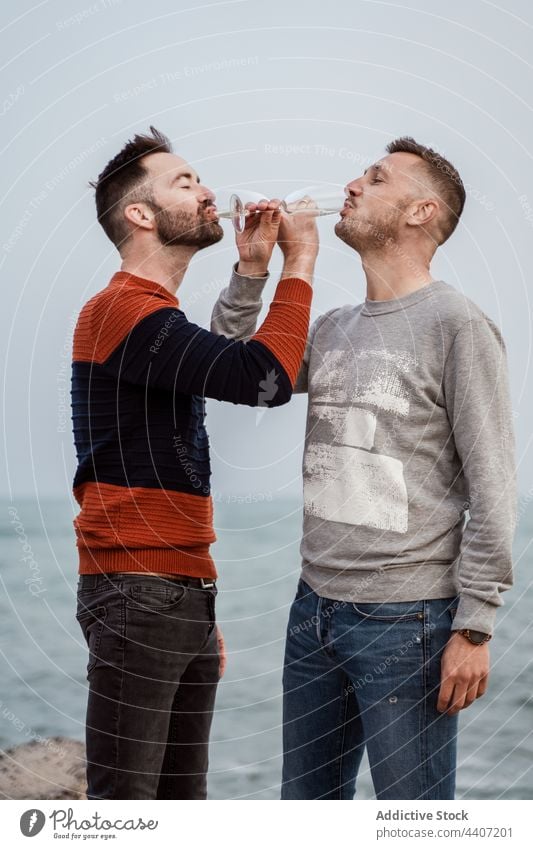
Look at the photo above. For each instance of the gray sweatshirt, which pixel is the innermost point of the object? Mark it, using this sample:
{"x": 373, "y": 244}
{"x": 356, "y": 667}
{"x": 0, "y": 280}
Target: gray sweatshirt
{"x": 409, "y": 472}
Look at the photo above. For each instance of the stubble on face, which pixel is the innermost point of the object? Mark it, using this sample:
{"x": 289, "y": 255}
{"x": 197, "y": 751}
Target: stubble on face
{"x": 369, "y": 234}
{"x": 177, "y": 227}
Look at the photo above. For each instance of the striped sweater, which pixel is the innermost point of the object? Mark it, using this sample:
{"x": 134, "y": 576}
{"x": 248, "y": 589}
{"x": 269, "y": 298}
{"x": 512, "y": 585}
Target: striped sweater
{"x": 141, "y": 373}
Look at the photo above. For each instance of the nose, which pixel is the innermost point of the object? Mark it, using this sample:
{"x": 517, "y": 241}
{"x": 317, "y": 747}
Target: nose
{"x": 205, "y": 194}
{"x": 353, "y": 190}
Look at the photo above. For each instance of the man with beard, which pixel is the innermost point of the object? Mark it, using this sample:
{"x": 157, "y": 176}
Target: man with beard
{"x": 141, "y": 372}
{"x": 409, "y": 427}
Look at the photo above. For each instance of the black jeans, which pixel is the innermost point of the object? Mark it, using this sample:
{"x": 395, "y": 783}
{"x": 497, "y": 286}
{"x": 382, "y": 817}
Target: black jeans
{"x": 153, "y": 673}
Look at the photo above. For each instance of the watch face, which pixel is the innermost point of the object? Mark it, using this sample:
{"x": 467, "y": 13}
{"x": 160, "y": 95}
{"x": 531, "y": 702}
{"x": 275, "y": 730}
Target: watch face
{"x": 478, "y": 637}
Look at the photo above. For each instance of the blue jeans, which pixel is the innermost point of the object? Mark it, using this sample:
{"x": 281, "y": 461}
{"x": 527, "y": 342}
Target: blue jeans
{"x": 359, "y": 675}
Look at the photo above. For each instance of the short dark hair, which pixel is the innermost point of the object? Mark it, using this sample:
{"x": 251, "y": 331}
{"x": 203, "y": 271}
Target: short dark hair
{"x": 443, "y": 175}
{"x": 119, "y": 179}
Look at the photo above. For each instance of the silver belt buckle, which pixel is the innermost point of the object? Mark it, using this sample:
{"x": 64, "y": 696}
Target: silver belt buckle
{"x": 205, "y": 584}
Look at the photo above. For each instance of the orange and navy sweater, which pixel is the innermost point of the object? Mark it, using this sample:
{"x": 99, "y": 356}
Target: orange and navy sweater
{"x": 140, "y": 376}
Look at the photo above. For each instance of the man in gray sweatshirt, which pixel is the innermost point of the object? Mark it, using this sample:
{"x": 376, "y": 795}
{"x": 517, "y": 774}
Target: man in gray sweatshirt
{"x": 409, "y": 498}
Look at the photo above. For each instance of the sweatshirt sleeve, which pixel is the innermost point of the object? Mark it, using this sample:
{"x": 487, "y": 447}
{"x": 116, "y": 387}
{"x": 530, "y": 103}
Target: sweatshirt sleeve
{"x": 164, "y": 351}
{"x": 238, "y": 306}
{"x": 479, "y": 408}
{"x": 236, "y": 311}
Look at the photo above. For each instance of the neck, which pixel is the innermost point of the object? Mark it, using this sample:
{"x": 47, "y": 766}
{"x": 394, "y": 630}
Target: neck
{"x": 163, "y": 265}
{"x": 390, "y": 275}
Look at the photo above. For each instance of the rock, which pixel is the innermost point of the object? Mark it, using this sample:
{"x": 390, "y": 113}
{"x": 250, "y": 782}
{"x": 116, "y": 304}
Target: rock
{"x": 49, "y": 769}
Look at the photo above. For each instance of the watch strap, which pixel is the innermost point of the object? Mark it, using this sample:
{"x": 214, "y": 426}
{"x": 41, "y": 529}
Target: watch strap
{"x": 477, "y": 638}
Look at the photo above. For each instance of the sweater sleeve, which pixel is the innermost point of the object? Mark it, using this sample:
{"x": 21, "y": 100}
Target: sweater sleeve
{"x": 479, "y": 408}
{"x": 164, "y": 351}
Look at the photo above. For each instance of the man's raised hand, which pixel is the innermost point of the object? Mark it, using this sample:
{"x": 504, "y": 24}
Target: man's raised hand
{"x": 298, "y": 240}
{"x": 259, "y": 237}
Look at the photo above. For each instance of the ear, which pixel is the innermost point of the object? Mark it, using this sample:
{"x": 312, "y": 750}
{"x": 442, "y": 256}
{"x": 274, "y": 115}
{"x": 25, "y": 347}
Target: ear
{"x": 140, "y": 215}
{"x": 422, "y": 212}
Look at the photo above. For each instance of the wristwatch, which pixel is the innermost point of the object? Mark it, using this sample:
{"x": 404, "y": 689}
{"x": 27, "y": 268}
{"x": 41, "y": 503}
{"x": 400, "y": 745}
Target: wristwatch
{"x": 475, "y": 637}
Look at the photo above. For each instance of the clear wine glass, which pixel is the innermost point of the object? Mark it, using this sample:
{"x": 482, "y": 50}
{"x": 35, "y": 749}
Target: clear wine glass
{"x": 313, "y": 200}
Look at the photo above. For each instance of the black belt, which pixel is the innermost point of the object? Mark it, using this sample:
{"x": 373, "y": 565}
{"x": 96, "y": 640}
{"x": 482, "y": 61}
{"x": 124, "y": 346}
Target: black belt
{"x": 186, "y": 580}
{"x": 201, "y": 583}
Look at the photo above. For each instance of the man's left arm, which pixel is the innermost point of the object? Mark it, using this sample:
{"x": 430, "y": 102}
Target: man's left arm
{"x": 238, "y": 306}
{"x": 477, "y": 399}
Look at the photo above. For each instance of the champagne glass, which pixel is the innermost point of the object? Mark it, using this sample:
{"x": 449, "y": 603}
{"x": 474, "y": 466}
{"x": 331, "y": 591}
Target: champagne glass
{"x": 236, "y": 210}
{"x": 313, "y": 200}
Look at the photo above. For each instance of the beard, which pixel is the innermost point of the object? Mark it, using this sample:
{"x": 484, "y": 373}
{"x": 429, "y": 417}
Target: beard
{"x": 364, "y": 235}
{"x": 185, "y": 228}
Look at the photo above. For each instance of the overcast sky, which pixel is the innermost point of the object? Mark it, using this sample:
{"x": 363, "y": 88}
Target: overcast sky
{"x": 270, "y": 96}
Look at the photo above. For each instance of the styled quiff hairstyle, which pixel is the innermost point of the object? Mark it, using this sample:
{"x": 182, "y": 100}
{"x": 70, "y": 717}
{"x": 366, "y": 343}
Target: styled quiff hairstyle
{"x": 445, "y": 179}
{"x": 121, "y": 183}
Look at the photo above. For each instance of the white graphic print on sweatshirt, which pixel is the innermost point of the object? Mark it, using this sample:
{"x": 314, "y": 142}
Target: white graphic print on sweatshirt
{"x": 345, "y": 480}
